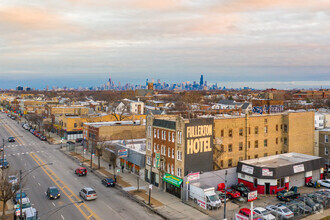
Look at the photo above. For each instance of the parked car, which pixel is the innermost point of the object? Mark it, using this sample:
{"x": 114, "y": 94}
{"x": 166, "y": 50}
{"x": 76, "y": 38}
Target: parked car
{"x": 324, "y": 192}
{"x": 242, "y": 189}
{"x": 231, "y": 193}
{"x": 17, "y": 197}
{"x": 222, "y": 196}
{"x": 308, "y": 201}
{"x": 301, "y": 207}
{"x": 108, "y": 182}
{"x": 53, "y": 193}
{"x": 12, "y": 179}
{"x": 4, "y": 163}
{"x": 321, "y": 199}
{"x": 43, "y": 138}
{"x": 287, "y": 195}
{"x": 324, "y": 183}
{"x": 81, "y": 171}
{"x": 247, "y": 213}
{"x": 11, "y": 139}
{"x": 280, "y": 211}
{"x": 88, "y": 193}
{"x": 264, "y": 213}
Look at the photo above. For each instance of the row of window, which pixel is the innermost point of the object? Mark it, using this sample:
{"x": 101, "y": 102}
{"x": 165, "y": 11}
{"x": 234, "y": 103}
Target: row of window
{"x": 170, "y": 152}
{"x": 169, "y": 168}
{"x": 256, "y": 130}
{"x": 256, "y": 144}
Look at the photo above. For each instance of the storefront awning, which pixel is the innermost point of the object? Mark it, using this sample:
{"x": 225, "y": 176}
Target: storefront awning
{"x": 172, "y": 180}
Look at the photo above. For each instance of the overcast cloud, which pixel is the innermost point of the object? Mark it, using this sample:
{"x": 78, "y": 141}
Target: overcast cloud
{"x": 49, "y": 42}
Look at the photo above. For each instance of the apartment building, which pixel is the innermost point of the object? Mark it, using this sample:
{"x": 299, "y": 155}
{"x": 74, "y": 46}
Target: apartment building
{"x": 324, "y": 144}
{"x": 176, "y": 147}
{"x": 249, "y": 137}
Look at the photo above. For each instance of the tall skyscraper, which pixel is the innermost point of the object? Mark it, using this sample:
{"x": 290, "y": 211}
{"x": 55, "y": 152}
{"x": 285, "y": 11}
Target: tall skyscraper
{"x": 201, "y": 82}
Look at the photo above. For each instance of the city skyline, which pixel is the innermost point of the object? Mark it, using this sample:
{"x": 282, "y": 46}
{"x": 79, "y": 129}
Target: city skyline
{"x": 76, "y": 43}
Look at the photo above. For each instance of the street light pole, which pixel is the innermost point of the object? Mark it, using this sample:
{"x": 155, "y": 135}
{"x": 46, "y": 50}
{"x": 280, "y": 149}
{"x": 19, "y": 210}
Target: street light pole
{"x": 152, "y": 163}
{"x": 224, "y": 205}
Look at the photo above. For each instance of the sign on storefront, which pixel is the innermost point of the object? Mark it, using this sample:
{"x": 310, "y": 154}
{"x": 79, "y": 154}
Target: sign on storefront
{"x": 247, "y": 169}
{"x": 267, "y": 172}
{"x": 193, "y": 176}
{"x": 157, "y": 159}
{"x": 122, "y": 153}
{"x": 298, "y": 168}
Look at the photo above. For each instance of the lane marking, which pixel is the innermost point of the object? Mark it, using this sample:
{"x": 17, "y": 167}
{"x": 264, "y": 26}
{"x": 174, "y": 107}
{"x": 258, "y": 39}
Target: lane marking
{"x": 62, "y": 217}
{"x": 56, "y": 179}
{"x": 53, "y": 204}
{"x": 39, "y": 184}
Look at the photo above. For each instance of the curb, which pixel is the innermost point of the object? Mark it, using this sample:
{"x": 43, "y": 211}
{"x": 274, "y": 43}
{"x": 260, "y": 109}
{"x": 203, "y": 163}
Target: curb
{"x": 119, "y": 188}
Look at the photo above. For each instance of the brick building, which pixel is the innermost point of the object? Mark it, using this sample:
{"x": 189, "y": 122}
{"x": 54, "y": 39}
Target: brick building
{"x": 324, "y": 144}
{"x": 176, "y": 147}
{"x": 248, "y": 137}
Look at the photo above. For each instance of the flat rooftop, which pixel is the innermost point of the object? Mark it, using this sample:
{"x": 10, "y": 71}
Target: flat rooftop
{"x": 280, "y": 160}
{"x": 114, "y": 123}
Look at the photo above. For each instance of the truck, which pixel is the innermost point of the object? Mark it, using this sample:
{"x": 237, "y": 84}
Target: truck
{"x": 204, "y": 196}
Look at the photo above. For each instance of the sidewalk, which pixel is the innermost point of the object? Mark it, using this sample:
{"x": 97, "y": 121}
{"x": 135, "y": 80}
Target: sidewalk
{"x": 163, "y": 203}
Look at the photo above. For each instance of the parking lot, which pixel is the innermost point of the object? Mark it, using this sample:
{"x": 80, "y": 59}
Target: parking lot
{"x": 233, "y": 206}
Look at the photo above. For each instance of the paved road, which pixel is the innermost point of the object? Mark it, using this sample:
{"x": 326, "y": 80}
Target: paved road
{"x": 28, "y": 152}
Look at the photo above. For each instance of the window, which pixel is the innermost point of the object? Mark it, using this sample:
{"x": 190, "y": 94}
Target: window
{"x": 168, "y": 168}
{"x": 179, "y": 137}
{"x": 266, "y": 129}
{"x": 265, "y": 120}
{"x": 155, "y": 147}
{"x": 162, "y": 165}
{"x": 249, "y": 130}
{"x": 249, "y": 157}
{"x": 265, "y": 154}
{"x": 280, "y": 183}
{"x": 162, "y": 135}
{"x": 265, "y": 142}
{"x": 256, "y": 156}
{"x": 155, "y": 133}
{"x": 281, "y": 127}
{"x": 149, "y": 146}
{"x": 230, "y": 162}
{"x": 163, "y": 150}
{"x": 165, "y": 135}
{"x": 230, "y": 133}
{"x": 222, "y": 133}
{"x": 222, "y": 148}
{"x": 149, "y": 160}
{"x": 249, "y": 144}
{"x": 240, "y": 146}
{"x": 81, "y": 124}
{"x": 276, "y": 152}
{"x": 285, "y": 128}
{"x": 173, "y": 137}
{"x": 169, "y": 136}
{"x": 255, "y": 182}
{"x": 241, "y": 132}
{"x": 230, "y": 147}
{"x": 276, "y": 127}
{"x": 179, "y": 155}
{"x": 326, "y": 138}
{"x": 179, "y": 172}
{"x": 326, "y": 152}
{"x": 276, "y": 140}
{"x": 240, "y": 158}
{"x": 221, "y": 163}
{"x": 255, "y": 144}
{"x": 173, "y": 153}
{"x": 172, "y": 169}
{"x": 285, "y": 141}
{"x": 256, "y": 130}
{"x": 169, "y": 152}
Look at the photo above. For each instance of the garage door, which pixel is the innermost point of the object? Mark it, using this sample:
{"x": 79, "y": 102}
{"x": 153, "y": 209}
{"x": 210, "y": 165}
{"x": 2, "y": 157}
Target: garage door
{"x": 316, "y": 175}
{"x": 297, "y": 180}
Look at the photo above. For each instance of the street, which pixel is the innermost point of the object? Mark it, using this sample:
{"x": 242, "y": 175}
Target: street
{"x": 29, "y": 152}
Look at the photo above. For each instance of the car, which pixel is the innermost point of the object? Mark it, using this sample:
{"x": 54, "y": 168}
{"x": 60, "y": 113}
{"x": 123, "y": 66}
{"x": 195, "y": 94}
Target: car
{"x": 287, "y": 195}
{"x": 264, "y": 213}
{"x": 308, "y": 201}
{"x": 43, "y": 138}
{"x": 17, "y": 197}
{"x": 25, "y": 203}
{"x": 247, "y": 213}
{"x": 324, "y": 183}
{"x": 11, "y": 139}
{"x": 12, "y": 179}
{"x": 1, "y": 148}
{"x": 79, "y": 140}
{"x": 324, "y": 192}
{"x": 88, "y": 193}
{"x": 53, "y": 193}
{"x": 108, "y": 182}
{"x": 280, "y": 211}
{"x": 321, "y": 199}
{"x": 3, "y": 163}
{"x": 81, "y": 171}
{"x": 231, "y": 193}
{"x": 298, "y": 207}
{"x": 221, "y": 196}
{"x": 242, "y": 189}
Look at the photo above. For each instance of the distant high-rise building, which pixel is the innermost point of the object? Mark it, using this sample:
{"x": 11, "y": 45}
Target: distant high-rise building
{"x": 201, "y": 82}
{"x": 19, "y": 88}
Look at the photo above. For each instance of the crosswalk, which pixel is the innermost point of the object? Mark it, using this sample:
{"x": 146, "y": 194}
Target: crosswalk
{"x": 18, "y": 145}
{"x": 26, "y": 153}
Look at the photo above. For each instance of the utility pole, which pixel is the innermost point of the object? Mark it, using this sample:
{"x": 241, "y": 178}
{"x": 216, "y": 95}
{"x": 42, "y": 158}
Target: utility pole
{"x": 3, "y": 157}
{"x": 152, "y": 163}
{"x": 20, "y": 194}
{"x": 92, "y": 150}
{"x": 224, "y": 205}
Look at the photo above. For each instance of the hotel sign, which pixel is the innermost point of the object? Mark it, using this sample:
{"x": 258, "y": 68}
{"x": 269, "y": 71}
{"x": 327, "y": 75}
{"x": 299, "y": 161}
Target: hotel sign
{"x": 199, "y": 145}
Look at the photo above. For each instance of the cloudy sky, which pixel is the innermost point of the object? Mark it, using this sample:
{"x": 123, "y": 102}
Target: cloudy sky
{"x": 82, "y": 42}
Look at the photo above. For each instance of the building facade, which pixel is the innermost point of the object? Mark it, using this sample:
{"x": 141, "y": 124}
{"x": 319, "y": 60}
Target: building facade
{"x": 324, "y": 144}
{"x": 248, "y": 137}
{"x": 176, "y": 147}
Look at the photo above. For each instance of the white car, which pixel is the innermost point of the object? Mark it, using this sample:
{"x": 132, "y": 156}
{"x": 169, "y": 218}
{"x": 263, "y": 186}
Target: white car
{"x": 280, "y": 211}
{"x": 88, "y": 193}
{"x": 264, "y": 213}
{"x": 12, "y": 179}
{"x": 325, "y": 183}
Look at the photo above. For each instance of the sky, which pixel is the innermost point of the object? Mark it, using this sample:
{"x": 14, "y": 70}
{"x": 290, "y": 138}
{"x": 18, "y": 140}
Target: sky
{"x": 83, "y": 42}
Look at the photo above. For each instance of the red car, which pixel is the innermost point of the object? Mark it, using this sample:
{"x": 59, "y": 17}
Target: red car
{"x": 231, "y": 193}
{"x": 247, "y": 213}
{"x": 81, "y": 171}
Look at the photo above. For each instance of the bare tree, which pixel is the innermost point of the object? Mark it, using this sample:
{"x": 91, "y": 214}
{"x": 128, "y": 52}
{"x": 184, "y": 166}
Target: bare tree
{"x": 8, "y": 189}
{"x": 120, "y": 110}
